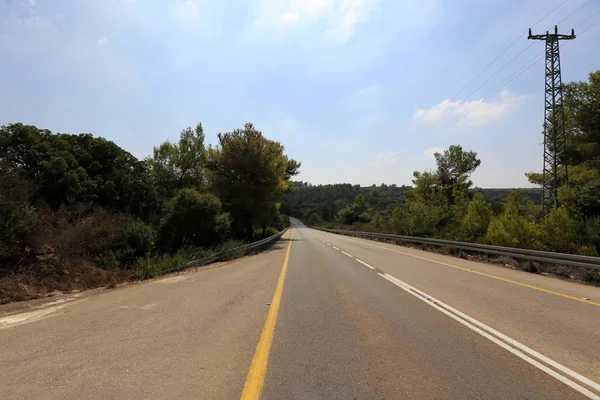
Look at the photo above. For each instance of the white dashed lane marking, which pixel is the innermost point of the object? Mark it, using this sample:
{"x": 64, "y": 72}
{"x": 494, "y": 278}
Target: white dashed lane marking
{"x": 365, "y": 264}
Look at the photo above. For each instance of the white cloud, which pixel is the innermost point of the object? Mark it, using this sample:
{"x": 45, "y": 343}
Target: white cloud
{"x": 334, "y": 20}
{"x": 387, "y": 158}
{"x": 352, "y": 13}
{"x": 429, "y": 153}
{"x": 470, "y": 113}
{"x": 368, "y": 96}
{"x": 290, "y": 17}
{"x": 186, "y": 11}
{"x": 102, "y": 41}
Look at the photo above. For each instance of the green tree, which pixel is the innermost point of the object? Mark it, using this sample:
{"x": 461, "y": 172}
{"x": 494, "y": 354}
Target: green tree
{"x": 455, "y": 166}
{"x": 250, "y": 173}
{"x": 561, "y": 232}
{"x": 582, "y": 156}
{"x": 478, "y": 216}
{"x": 67, "y": 169}
{"x": 358, "y": 211}
{"x": 377, "y": 221}
{"x": 514, "y": 227}
{"x": 192, "y": 219}
{"x": 399, "y": 222}
{"x": 181, "y": 165}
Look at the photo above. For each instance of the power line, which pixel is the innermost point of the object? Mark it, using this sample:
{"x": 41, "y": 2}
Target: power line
{"x": 500, "y": 70}
{"x": 499, "y": 87}
{"x": 587, "y": 19}
{"x": 576, "y": 10}
{"x": 548, "y": 14}
{"x": 500, "y": 55}
{"x": 515, "y": 75}
{"x": 589, "y": 27}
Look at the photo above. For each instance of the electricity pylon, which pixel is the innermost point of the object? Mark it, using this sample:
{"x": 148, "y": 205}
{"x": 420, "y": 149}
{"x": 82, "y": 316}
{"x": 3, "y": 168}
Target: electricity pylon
{"x": 554, "y": 175}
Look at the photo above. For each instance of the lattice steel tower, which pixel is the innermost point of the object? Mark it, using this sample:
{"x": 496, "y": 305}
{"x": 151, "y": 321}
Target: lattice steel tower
{"x": 555, "y": 174}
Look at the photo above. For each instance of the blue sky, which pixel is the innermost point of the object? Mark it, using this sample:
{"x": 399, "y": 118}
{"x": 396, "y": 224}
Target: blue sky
{"x": 359, "y": 91}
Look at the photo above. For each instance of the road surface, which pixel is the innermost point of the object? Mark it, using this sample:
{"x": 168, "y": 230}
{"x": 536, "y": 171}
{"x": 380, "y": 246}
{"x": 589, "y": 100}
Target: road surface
{"x": 317, "y": 316}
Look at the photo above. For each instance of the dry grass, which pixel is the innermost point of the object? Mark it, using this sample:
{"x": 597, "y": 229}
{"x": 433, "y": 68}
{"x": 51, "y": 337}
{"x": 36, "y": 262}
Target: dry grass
{"x": 36, "y": 281}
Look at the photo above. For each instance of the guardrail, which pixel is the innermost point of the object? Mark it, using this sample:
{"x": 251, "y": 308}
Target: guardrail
{"x": 573, "y": 260}
{"x": 217, "y": 256}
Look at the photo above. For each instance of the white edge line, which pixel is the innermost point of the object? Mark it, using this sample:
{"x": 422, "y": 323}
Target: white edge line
{"x": 334, "y": 247}
{"x": 513, "y": 342}
{"x": 349, "y": 255}
{"x": 407, "y": 288}
{"x": 365, "y": 264}
{"x": 328, "y": 244}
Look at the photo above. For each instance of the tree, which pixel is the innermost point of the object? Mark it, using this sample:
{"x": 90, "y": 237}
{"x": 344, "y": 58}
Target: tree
{"x": 358, "y": 211}
{"x": 399, "y": 222}
{"x": 455, "y": 165}
{"x": 192, "y": 219}
{"x": 67, "y": 169}
{"x": 181, "y": 165}
{"x": 249, "y": 173}
{"x": 477, "y": 219}
{"x": 514, "y": 227}
{"x": 582, "y": 156}
{"x": 377, "y": 221}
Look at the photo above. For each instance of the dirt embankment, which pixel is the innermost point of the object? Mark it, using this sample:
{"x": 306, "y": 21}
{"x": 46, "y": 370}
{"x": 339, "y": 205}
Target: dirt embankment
{"x": 43, "y": 274}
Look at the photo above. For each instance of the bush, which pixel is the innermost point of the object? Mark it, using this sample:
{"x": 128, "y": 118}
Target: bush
{"x": 561, "y": 232}
{"x": 89, "y": 237}
{"x": 152, "y": 264}
{"x": 270, "y": 231}
{"x": 377, "y": 221}
{"x": 592, "y": 226}
{"x": 399, "y": 222}
{"x": 139, "y": 236}
{"x": 17, "y": 221}
{"x": 137, "y": 239}
{"x": 283, "y": 221}
{"x": 192, "y": 219}
{"x": 477, "y": 219}
{"x": 513, "y": 228}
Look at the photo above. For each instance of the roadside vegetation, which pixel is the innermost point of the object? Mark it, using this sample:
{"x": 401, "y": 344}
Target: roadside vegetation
{"x": 78, "y": 211}
{"x": 443, "y": 204}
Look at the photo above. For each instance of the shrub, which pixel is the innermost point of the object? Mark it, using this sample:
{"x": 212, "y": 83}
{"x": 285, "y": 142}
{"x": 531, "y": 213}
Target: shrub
{"x": 561, "y": 232}
{"x": 592, "y": 226}
{"x": 89, "y": 237}
{"x": 477, "y": 219}
{"x": 270, "y": 231}
{"x": 512, "y": 228}
{"x": 17, "y": 221}
{"x": 192, "y": 219}
{"x": 399, "y": 221}
{"x": 139, "y": 237}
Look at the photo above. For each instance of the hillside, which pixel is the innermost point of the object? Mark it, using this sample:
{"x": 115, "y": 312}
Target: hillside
{"x": 328, "y": 200}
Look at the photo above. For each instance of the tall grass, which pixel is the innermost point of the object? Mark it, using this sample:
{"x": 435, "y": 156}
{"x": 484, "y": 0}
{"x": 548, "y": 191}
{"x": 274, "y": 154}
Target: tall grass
{"x": 153, "y": 264}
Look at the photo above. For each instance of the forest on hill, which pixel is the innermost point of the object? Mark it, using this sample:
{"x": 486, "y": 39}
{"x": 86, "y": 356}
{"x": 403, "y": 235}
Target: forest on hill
{"x": 78, "y": 211}
{"x": 327, "y": 200}
{"x": 442, "y": 203}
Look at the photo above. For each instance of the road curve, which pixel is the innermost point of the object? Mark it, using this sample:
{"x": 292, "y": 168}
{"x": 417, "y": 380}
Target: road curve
{"x": 356, "y": 320}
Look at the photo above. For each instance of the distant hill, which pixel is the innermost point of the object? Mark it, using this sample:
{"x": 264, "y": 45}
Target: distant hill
{"x": 327, "y": 200}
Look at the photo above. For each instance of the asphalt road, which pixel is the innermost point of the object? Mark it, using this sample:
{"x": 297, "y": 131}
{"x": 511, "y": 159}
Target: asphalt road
{"x": 318, "y": 316}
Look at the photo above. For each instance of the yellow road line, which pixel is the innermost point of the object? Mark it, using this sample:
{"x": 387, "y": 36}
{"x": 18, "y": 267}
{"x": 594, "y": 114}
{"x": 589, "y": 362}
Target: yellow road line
{"x": 258, "y": 367}
{"x": 484, "y": 274}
